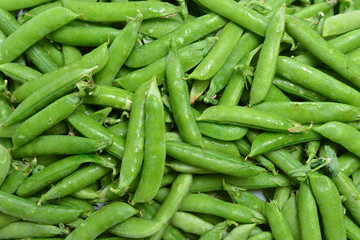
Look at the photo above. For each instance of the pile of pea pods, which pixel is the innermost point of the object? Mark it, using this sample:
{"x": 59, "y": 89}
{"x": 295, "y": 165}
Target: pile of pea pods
{"x": 180, "y": 119}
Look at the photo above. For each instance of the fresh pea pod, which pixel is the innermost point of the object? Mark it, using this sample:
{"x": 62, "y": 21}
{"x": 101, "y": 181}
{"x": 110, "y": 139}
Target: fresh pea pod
{"x": 19, "y": 72}
{"x": 352, "y": 230}
{"x": 130, "y": 228}
{"x": 17, "y": 177}
{"x": 7, "y": 219}
{"x": 70, "y": 54}
{"x": 5, "y": 161}
{"x": 217, "y": 232}
{"x": 278, "y": 225}
{"x": 75, "y": 203}
{"x": 348, "y": 163}
{"x": 340, "y": 23}
{"x": 190, "y": 223}
{"x": 241, "y": 232}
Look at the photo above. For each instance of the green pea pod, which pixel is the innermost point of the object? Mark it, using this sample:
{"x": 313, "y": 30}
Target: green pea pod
{"x": 5, "y": 161}
{"x": 191, "y": 223}
{"x": 102, "y": 220}
{"x": 53, "y": 52}
{"x": 17, "y": 177}
{"x": 262, "y": 236}
{"x": 101, "y": 115}
{"x": 130, "y": 228}
{"x": 7, "y": 219}
{"x": 158, "y": 27}
{"x": 70, "y": 54}
{"x": 240, "y": 233}
{"x": 234, "y": 89}
{"x": 11, "y": 6}
{"x": 328, "y": 199}
{"x": 333, "y": 27}
{"x": 278, "y": 225}
{"x": 217, "y": 232}
{"x": 19, "y": 72}
{"x": 75, "y": 203}
{"x": 154, "y": 147}
{"x": 290, "y": 212}
{"x": 49, "y": 145}
{"x": 352, "y": 230}
{"x": 348, "y": 163}
{"x": 57, "y": 171}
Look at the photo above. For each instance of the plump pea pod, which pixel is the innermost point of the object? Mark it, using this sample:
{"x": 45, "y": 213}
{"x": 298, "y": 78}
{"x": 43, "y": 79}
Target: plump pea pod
{"x": 341, "y": 23}
{"x": 314, "y": 9}
{"x": 28, "y": 229}
{"x": 328, "y": 200}
{"x": 17, "y": 177}
{"x": 210, "y": 160}
{"x": 110, "y": 96}
{"x": 102, "y": 220}
{"x": 136, "y": 228}
{"x": 278, "y": 225}
{"x": 352, "y": 230}
{"x": 323, "y": 50}
{"x": 11, "y": 6}
{"x": 5, "y": 160}
{"x": 75, "y": 182}
{"x": 217, "y": 232}
{"x": 179, "y": 99}
{"x": 75, "y": 203}
{"x": 154, "y": 147}
{"x": 234, "y": 89}
{"x": 46, "y": 95}
{"x": 266, "y": 65}
{"x": 57, "y": 171}
{"x": 262, "y": 236}
{"x": 45, "y": 119}
{"x": 24, "y": 37}
{"x": 190, "y": 223}
{"x": 281, "y": 195}
{"x": 189, "y": 56}
{"x": 97, "y": 57}
{"x": 268, "y": 141}
{"x": 244, "y": 116}
{"x": 179, "y": 166}
{"x": 181, "y": 37}
{"x": 53, "y": 52}
{"x": 217, "y": 56}
{"x": 348, "y": 189}
{"x": 158, "y": 27}
{"x": 120, "y": 128}
{"x": 19, "y": 72}
{"x": 119, "y": 50}
{"x": 342, "y": 134}
{"x": 86, "y": 193}
{"x": 240, "y": 233}
{"x": 134, "y": 147}
{"x": 290, "y": 212}
{"x": 92, "y": 129}
{"x": 348, "y": 163}
{"x": 29, "y": 210}
{"x": 317, "y": 81}
{"x": 315, "y": 112}
{"x": 49, "y": 145}
{"x": 70, "y": 54}
{"x": 26, "y": 16}
{"x": 203, "y": 203}
{"x": 7, "y": 219}
{"x": 214, "y": 182}
{"x": 119, "y": 11}
{"x": 101, "y": 115}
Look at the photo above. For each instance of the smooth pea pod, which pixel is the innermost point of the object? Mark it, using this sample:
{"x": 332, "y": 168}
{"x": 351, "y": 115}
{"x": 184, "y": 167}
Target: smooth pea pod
{"x": 340, "y": 23}
{"x": 17, "y": 177}
{"x": 53, "y": 52}
{"x": 101, "y": 115}
{"x": 87, "y": 193}
{"x": 5, "y": 161}
{"x": 102, "y": 220}
{"x": 348, "y": 163}
{"x": 19, "y": 72}
{"x": 352, "y": 230}
{"x": 262, "y": 236}
{"x": 120, "y": 128}
{"x": 11, "y": 6}
{"x": 191, "y": 223}
{"x": 130, "y": 228}
{"x": 179, "y": 166}
{"x": 154, "y": 147}
{"x": 158, "y": 27}
{"x": 217, "y": 232}
{"x": 278, "y": 225}
{"x": 49, "y": 145}
{"x": 179, "y": 99}
{"x": 70, "y": 54}
{"x": 234, "y": 89}
{"x": 7, "y": 219}
{"x": 328, "y": 200}
{"x": 290, "y": 212}
{"x": 24, "y": 37}
{"x": 241, "y": 232}
{"x": 75, "y": 203}
{"x": 313, "y": 9}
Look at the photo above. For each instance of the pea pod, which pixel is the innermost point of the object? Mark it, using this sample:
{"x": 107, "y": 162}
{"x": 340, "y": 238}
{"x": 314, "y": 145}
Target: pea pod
{"x": 241, "y": 232}
{"x": 130, "y": 228}
{"x": 352, "y": 230}
{"x": 217, "y": 232}
{"x": 19, "y": 72}
{"x": 348, "y": 163}
{"x": 333, "y": 27}
{"x": 17, "y": 177}
{"x": 5, "y": 161}
{"x": 278, "y": 225}
{"x": 190, "y": 223}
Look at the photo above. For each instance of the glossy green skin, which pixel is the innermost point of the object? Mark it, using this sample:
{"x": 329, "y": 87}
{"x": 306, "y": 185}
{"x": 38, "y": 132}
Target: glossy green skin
{"x": 131, "y": 228}
{"x": 348, "y": 163}
{"x": 190, "y": 223}
{"x": 29, "y": 210}
{"x": 186, "y": 34}
{"x": 189, "y": 56}
{"x": 216, "y": 233}
{"x": 49, "y": 145}
{"x": 9, "y": 5}
{"x": 313, "y": 9}
{"x": 76, "y": 181}
{"x": 202, "y": 203}
{"x": 262, "y": 236}
{"x": 187, "y": 168}
{"x": 342, "y": 134}
{"x": 317, "y": 81}
{"x": 290, "y": 212}
{"x": 240, "y": 233}
{"x": 212, "y": 182}
{"x": 154, "y": 148}
{"x": 297, "y": 90}
{"x": 97, "y": 57}
{"x": 102, "y": 220}
{"x": 5, "y": 160}
{"x": 92, "y": 129}
{"x": 278, "y": 225}
{"x": 197, "y": 89}
{"x": 119, "y": 11}
{"x": 224, "y": 132}
{"x": 323, "y": 50}
{"x": 120, "y": 128}
{"x": 25, "y": 36}
{"x": 86, "y": 193}
{"x": 28, "y": 229}
{"x": 19, "y": 72}
{"x": 45, "y": 119}
{"x": 268, "y": 141}
{"x": 87, "y": 36}
{"x": 101, "y": 115}
{"x": 114, "y": 97}
{"x": 70, "y": 54}
{"x": 26, "y": 16}
{"x": 119, "y": 50}
{"x": 134, "y": 147}
{"x": 217, "y": 56}
{"x": 352, "y": 230}
{"x": 341, "y": 23}
{"x": 53, "y": 52}
{"x": 57, "y": 171}
{"x": 210, "y": 160}
{"x": 244, "y": 116}
{"x": 234, "y": 89}
{"x": 328, "y": 200}
{"x": 266, "y": 65}
{"x": 75, "y": 203}
{"x": 6, "y": 219}
{"x": 16, "y": 178}
{"x": 179, "y": 99}
{"x": 158, "y": 27}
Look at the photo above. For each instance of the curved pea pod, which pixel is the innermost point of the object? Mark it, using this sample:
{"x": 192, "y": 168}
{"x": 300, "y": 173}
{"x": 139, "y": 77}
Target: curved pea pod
{"x": 248, "y": 117}
{"x": 5, "y": 160}
{"x": 101, "y": 220}
{"x": 131, "y": 228}
{"x": 202, "y": 203}
{"x": 11, "y": 6}
{"x": 290, "y": 212}
{"x": 348, "y": 163}
{"x": 210, "y": 160}
{"x": 312, "y": 112}
{"x": 19, "y": 72}
{"x": 75, "y": 203}
{"x": 342, "y": 134}
{"x": 278, "y": 225}
{"x": 15, "y": 178}
{"x": 97, "y": 57}
{"x": 158, "y": 27}
{"x": 191, "y": 223}
{"x": 7, "y": 219}
{"x": 49, "y": 145}
{"x": 352, "y": 230}
{"x": 57, "y": 171}
{"x": 241, "y": 232}
{"x": 217, "y": 232}
{"x": 268, "y": 141}
{"x": 328, "y": 199}
{"x": 29, "y": 210}
{"x": 110, "y": 96}
{"x": 341, "y": 23}
{"x": 262, "y": 236}
{"x": 28, "y": 229}
{"x": 24, "y": 37}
